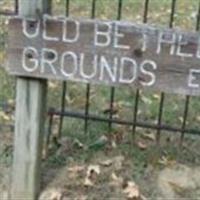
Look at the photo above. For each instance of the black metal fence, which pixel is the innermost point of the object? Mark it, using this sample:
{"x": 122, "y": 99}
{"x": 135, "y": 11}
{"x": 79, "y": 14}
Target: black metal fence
{"x": 88, "y": 116}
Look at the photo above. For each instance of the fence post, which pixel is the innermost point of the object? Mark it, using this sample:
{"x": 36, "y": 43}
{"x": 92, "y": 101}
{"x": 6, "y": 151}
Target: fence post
{"x": 30, "y": 117}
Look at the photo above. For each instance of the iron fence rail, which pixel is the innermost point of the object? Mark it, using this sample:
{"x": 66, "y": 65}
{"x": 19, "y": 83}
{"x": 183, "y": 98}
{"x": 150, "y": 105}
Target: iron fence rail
{"x": 140, "y": 124}
{"x": 134, "y": 123}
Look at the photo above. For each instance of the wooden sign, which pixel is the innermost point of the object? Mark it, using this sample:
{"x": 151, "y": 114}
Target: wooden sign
{"x": 105, "y": 52}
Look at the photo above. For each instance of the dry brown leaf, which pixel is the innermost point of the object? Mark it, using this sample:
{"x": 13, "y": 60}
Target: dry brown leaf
{"x": 92, "y": 172}
{"x": 118, "y": 162}
{"x": 139, "y": 112}
{"x": 156, "y": 96}
{"x": 4, "y": 116}
{"x": 88, "y": 182}
{"x": 132, "y": 191}
{"x": 163, "y": 160}
{"x": 106, "y": 163}
{"x": 146, "y": 100}
{"x": 113, "y": 144}
{"x": 198, "y": 118}
{"x": 52, "y": 85}
{"x": 166, "y": 161}
{"x": 78, "y": 144}
{"x": 76, "y": 169}
{"x": 44, "y": 154}
{"x": 81, "y": 197}
{"x": 149, "y": 136}
{"x": 142, "y": 145}
{"x": 116, "y": 180}
{"x": 93, "y": 169}
{"x": 52, "y": 194}
{"x": 107, "y": 109}
{"x": 114, "y": 177}
{"x": 180, "y": 119}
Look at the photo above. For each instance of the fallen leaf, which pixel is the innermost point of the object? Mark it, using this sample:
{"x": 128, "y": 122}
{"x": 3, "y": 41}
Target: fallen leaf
{"x": 4, "y": 116}
{"x": 156, "y": 96}
{"x": 51, "y": 194}
{"x": 118, "y": 136}
{"x": 166, "y": 161}
{"x": 76, "y": 169}
{"x": 118, "y": 162}
{"x": 198, "y": 118}
{"x": 92, "y": 172}
{"x": 78, "y": 144}
{"x": 139, "y": 112}
{"x": 132, "y": 191}
{"x": 163, "y": 160}
{"x": 122, "y": 104}
{"x": 52, "y": 85}
{"x": 88, "y": 182}
{"x": 142, "y": 145}
{"x": 149, "y": 136}
{"x": 11, "y": 102}
{"x": 106, "y": 163}
{"x": 44, "y": 153}
{"x": 93, "y": 169}
{"x": 146, "y": 100}
{"x": 69, "y": 100}
{"x": 81, "y": 197}
{"x": 180, "y": 119}
{"x": 116, "y": 180}
{"x": 107, "y": 109}
{"x": 113, "y": 144}
{"x": 114, "y": 177}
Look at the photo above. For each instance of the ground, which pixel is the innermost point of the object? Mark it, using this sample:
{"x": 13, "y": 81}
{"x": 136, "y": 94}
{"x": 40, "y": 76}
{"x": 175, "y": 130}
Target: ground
{"x": 77, "y": 170}
{"x": 162, "y": 172}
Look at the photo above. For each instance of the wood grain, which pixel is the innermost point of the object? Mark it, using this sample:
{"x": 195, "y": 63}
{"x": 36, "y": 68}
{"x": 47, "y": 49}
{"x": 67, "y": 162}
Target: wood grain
{"x": 175, "y": 62}
{"x": 29, "y": 125}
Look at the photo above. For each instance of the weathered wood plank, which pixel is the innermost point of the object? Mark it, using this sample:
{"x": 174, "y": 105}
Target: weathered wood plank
{"x": 29, "y": 124}
{"x": 105, "y": 52}
{"x": 29, "y": 131}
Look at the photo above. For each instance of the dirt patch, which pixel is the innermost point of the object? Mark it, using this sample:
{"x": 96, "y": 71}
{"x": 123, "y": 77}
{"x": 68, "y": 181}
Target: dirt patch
{"x": 179, "y": 181}
{"x": 115, "y": 172}
{"x": 91, "y": 180}
{"x": 175, "y": 181}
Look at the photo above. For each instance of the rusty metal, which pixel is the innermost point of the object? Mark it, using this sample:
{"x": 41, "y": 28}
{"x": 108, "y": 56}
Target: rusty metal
{"x": 140, "y": 124}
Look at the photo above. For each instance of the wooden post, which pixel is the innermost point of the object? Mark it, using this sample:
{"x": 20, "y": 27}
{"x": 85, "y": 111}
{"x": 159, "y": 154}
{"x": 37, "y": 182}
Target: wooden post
{"x": 30, "y": 117}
